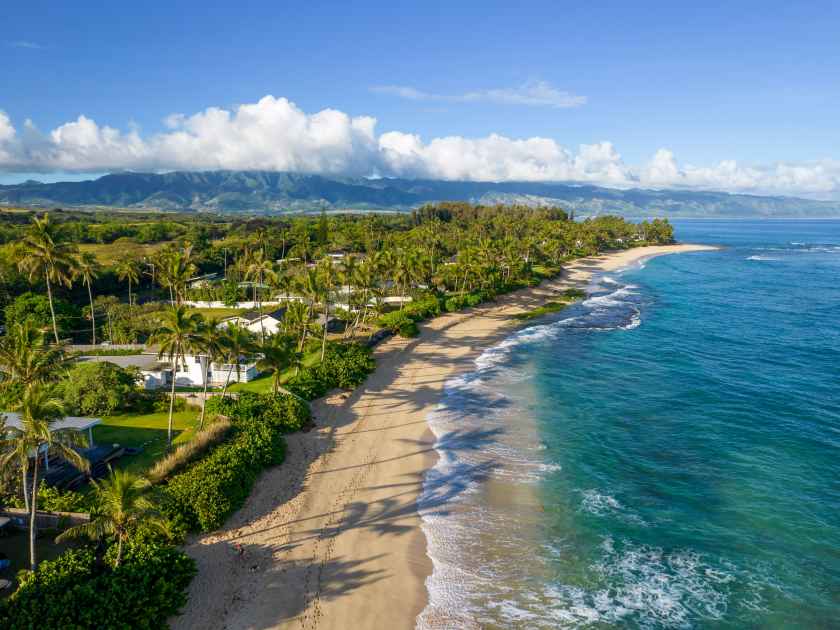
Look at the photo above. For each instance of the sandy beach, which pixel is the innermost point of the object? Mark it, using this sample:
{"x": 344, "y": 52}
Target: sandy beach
{"x": 332, "y": 537}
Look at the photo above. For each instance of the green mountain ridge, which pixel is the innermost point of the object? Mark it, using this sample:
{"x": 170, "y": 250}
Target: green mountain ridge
{"x": 273, "y": 192}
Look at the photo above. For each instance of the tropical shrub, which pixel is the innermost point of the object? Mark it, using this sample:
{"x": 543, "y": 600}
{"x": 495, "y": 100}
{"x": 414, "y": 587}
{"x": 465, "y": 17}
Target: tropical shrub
{"x": 345, "y": 366}
{"x": 208, "y": 491}
{"x": 98, "y": 388}
{"x": 393, "y": 320}
{"x": 280, "y": 411}
{"x": 308, "y": 384}
{"x": 36, "y": 307}
{"x": 76, "y": 591}
{"x": 51, "y": 499}
{"x": 423, "y": 309}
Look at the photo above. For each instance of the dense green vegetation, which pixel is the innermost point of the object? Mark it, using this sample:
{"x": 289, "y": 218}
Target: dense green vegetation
{"x": 90, "y": 278}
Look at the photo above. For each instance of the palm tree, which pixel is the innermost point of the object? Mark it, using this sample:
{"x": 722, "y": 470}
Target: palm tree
{"x": 258, "y": 269}
{"x": 237, "y": 344}
{"x": 26, "y": 359}
{"x": 128, "y": 270}
{"x": 38, "y": 410}
{"x": 365, "y": 279}
{"x": 177, "y": 336}
{"x": 123, "y": 504}
{"x": 43, "y": 255}
{"x": 16, "y": 446}
{"x": 87, "y": 269}
{"x": 327, "y": 282}
{"x": 296, "y": 319}
{"x": 176, "y": 269}
{"x": 211, "y": 343}
{"x": 309, "y": 285}
{"x": 277, "y": 355}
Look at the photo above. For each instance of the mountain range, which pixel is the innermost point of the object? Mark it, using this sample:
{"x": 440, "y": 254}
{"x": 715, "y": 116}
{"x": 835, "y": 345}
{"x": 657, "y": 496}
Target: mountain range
{"x": 272, "y": 192}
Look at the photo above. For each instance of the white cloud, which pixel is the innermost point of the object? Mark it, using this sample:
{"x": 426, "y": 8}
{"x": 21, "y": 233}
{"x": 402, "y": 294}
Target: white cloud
{"x": 533, "y": 93}
{"x": 274, "y": 134}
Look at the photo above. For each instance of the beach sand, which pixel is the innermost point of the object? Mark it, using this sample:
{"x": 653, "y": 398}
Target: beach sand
{"x": 331, "y": 539}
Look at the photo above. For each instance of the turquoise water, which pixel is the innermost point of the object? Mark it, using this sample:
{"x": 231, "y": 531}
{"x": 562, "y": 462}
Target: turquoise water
{"x": 665, "y": 454}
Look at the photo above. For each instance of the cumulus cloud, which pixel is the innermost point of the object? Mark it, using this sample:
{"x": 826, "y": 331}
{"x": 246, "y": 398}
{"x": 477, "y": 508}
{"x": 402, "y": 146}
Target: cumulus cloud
{"x": 274, "y": 134}
{"x": 532, "y": 93}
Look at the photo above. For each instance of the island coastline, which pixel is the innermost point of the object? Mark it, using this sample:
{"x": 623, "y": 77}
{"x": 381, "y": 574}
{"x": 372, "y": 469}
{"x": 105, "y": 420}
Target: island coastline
{"x": 332, "y": 538}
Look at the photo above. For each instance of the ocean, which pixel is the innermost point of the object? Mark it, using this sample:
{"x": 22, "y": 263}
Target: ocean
{"x": 664, "y": 454}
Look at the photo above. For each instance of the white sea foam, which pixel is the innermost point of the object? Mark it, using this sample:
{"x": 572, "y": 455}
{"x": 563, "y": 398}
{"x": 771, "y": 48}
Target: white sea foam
{"x": 596, "y": 503}
{"x": 459, "y": 585}
{"x": 763, "y": 258}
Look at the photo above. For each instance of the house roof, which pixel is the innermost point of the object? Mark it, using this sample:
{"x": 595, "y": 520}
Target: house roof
{"x": 142, "y": 361}
{"x": 74, "y": 423}
{"x": 254, "y": 316}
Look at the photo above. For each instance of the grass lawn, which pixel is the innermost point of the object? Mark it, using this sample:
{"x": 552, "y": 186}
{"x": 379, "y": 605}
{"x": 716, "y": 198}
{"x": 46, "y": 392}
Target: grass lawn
{"x": 146, "y": 431}
{"x": 262, "y": 384}
{"x": 110, "y": 253}
{"x": 218, "y": 313}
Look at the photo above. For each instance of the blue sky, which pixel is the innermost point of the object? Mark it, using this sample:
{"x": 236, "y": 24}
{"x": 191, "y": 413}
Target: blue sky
{"x": 754, "y": 83}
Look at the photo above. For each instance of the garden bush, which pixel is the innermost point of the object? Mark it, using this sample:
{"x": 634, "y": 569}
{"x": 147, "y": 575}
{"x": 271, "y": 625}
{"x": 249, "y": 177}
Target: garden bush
{"x": 424, "y": 308}
{"x": 207, "y": 492}
{"x": 77, "y": 591}
{"x": 51, "y": 499}
{"x": 345, "y": 366}
{"x": 98, "y": 388}
{"x": 395, "y": 320}
{"x": 282, "y": 412}
{"x": 308, "y": 384}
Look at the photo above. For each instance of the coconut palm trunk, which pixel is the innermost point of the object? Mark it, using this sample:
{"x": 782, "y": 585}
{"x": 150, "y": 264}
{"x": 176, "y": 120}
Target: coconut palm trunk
{"x": 50, "y": 300}
{"x": 204, "y": 398}
{"x": 326, "y": 325}
{"x": 92, "y": 316}
{"x": 171, "y": 401}
{"x": 33, "y": 561}
{"x": 25, "y": 487}
{"x": 227, "y": 381}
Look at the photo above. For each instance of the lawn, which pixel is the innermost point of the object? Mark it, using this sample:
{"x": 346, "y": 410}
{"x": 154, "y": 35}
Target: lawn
{"x": 262, "y": 384}
{"x": 146, "y": 431}
{"x": 110, "y": 253}
{"x": 218, "y": 313}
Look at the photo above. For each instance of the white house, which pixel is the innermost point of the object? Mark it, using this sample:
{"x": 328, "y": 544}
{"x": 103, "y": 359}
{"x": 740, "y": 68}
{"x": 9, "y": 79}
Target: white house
{"x": 271, "y": 322}
{"x": 190, "y": 373}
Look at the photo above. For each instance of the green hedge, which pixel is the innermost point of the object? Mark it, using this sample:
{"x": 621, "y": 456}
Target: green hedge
{"x": 345, "y": 366}
{"x": 206, "y": 493}
{"x": 76, "y": 591}
{"x": 281, "y": 411}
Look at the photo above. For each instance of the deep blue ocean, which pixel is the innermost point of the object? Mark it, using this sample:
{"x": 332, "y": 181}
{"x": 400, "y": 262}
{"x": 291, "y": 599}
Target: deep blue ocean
{"x": 665, "y": 454}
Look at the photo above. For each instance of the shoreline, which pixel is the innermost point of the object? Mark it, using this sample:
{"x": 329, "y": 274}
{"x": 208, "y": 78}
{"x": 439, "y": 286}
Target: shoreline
{"x": 332, "y": 537}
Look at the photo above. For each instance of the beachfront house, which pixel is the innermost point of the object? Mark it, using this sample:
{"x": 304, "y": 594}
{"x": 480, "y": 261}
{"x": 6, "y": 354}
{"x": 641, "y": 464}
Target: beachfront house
{"x": 157, "y": 373}
{"x": 191, "y": 369}
{"x": 256, "y": 322}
